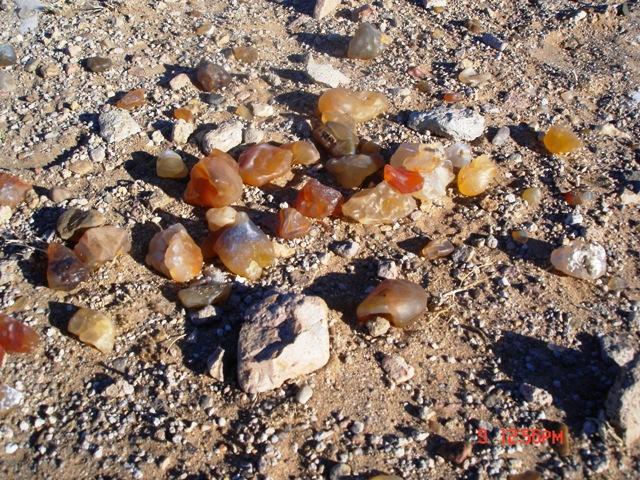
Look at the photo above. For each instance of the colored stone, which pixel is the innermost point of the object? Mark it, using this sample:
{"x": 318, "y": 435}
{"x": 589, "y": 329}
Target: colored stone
{"x": 438, "y": 248}
{"x": 580, "y": 259}
{"x": 316, "y": 200}
{"x": 7, "y": 55}
{"x": 244, "y": 249}
{"x": 174, "y": 253}
{"x": 262, "y": 163}
{"x": 350, "y": 171}
{"x": 532, "y": 195}
{"x": 65, "y": 271}
{"x": 74, "y": 222}
{"x": 246, "y": 54}
{"x": 400, "y": 301}
{"x": 292, "y": 224}
{"x": 170, "y": 165}
{"x": 12, "y": 190}
{"x": 200, "y": 296}
{"x": 579, "y": 196}
{"x": 520, "y": 236}
{"x": 132, "y": 100}
{"x": 215, "y": 181}
{"x": 93, "y": 328}
{"x": 336, "y": 138}
{"x": 218, "y": 218}
{"x": 403, "y": 180}
{"x": 380, "y": 204}
{"x": 304, "y": 153}
{"x": 212, "y": 77}
{"x": 474, "y": 179}
{"x": 366, "y": 43}
{"x": 452, "y": 97}
{"x": 99, "y": 64}
{"x": 429, "y": 161}
{"x": 102, "y": 244}
{"x": 16, "y": 337}
{"x": 561, "y": 140}
{"x": 360, "y": 106}
{"x": 183, "y": 113}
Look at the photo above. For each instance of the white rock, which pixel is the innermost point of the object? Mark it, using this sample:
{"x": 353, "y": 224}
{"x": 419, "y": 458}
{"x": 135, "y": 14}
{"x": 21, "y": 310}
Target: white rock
{"x": 397, "y": 369}
{"x": 325, "y": 74}
{"x": 98, "y": 154}
{"x": 5, "y": 213}
{"x": 453, "y": 123}
{"x": 181, "y": 132}
{"x": 215, "y": 364}
{"x": 623, "y": 403}
{"x": 253, "y": 135}
{"x": 180, "y": 81}
{"x": 434, "y": 3}
{"x": 501, "y": 137}
{"x": 9, "y": 398}
{"x": 346, "y": 249}
{"x": 533, "y": 394}
{"x": 580, "y": 259}
{"x": 225, "y": 137}
{"x": 283, "y": 337}
{"x": 304, "y": 394}
{"x": 629, "y": 198}
{"x": 324, "y": 8}
{"x": 620, "y": 349}
{"x": 263, "y": 110}
{"x": 388, "y": 269}
{"x": 117, "y": 125}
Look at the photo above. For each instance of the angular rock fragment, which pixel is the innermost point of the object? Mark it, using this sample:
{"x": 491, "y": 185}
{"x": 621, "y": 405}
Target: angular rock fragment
{"x": 580, "y": 259}
{"x": 397, "y": 369}
{"x": 620, "y": 349}
{"x": 65, "y": 271}
{"x": 227, "y": 136}
{"x": 324, "y": 8}
{"x": 170, "y": 165}
{"x": 283, "y": 337}
{"x": 400, "y": 301}
{"x": 377, "y": 205}
{"x": 359, "y": 106}
{"x": 304, "y": 153}
{"x": 200, "y": 296}
{"x": 12, "y": 190}
{"x": 366, "y": 43}
{"x": 117, "y": 125}
{"x": 212, "y": 77}
{"x": 9, "y": 398}
{"x": 455, "y": 124}
{"x": 174, "y": 253}
{"x": 246, "y": 54}
{"x": 325, "y": 74}
{"x": 16, "y": 337}
{"x": 181, "y": 132}
{"x": 7, "y": 55}
{"x": 351, "y": 170}
{"x": 133, "y": 99}
{"x": 102, "y": 244}
{"x": 429, "y": 161}
{"x": 292, "y": 224}
{"x": 74, "y": 222}
{"x": 215, "y": 181}
{"x": 263, "y": 163}
{"x": 215, "y": 365}
{"x": 459, "y": 154}
{"x": 99, "y": 64}
{"x": 93, "y": 328}
{"x": 623, "y": 403}
{"x": 475, "y": 178}
{"x": 316, "y": 200}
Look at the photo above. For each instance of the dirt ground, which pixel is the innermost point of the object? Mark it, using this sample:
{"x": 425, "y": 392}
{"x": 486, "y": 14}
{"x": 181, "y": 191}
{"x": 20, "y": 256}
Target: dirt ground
{"x": 499, "y": 317}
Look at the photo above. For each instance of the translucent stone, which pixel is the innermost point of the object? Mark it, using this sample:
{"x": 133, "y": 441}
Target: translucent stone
{"x": 102, "y": 244}
{"x": 438, "y": 248}
{"x": 74, "y": 222}
{"x": 403, "y": 180}
{"x": 183, "y": 113}
{"x": 452, "y": 97}
{"x": 292, "y": 224}
{"x": 520, "y": 236}
{"x": 132, "y": 100}
{"x": 459, "y": 154}
{"x": 246, "y": 54}
{"x": 93, "y": 328}
{"x": 350, "y": 171}
{"x": 244, "y": 249}
{"x": 7, "y": 55}
{"x": 532, "y": 195}
{"x": 337, "y": 138}
{"x": 12, "y": 190}
{"x": 218, "y": 218}
{"x": 263, "y": 163}
{"x": 429, "y": 161}
{"x": 304, "y": 153}
{"x": 476, "y": 177}
{"x": 65, "y": 271}
{"x": 366, "y": 44}
{"x": 316, "y": 200}
{"x": 339, "y": 117}
{"x": 470, "y": 77}
{"x": 212, "y": 77}
{"x": 99, "y": 64}
{"x": 615, "y": 284}
{"x": 174, "y": 253}
{"x": 579, "y": 196}
{"x": 200, "y": 296}
{"x": 381, "y": 204}
{"x": 561, "y": 140}
{"x": 215, "y": 181}
{"x": 16, "y": 337}
{"x": 580, "y": 259}
{"x": 400, "y": 301}
{"x": 9, "y": 398}
{"x": 170, "y": 165}
{"x": 359, "y": 106}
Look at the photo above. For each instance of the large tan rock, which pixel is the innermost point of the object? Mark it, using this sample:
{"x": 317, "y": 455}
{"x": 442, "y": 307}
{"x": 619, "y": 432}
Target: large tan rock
{"x": 285, "y": 336}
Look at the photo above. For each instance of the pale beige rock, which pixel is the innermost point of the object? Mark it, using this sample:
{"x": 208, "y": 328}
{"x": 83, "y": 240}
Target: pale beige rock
{"x": 94, "y": 328}
{"x": 324, "y": 8}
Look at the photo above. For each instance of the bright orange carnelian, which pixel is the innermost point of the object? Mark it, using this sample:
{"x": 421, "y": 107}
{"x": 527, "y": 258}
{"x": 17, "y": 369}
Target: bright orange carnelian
{"x": 403, "y": 180}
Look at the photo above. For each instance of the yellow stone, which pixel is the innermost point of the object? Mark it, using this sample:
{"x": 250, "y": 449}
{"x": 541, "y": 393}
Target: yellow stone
{"x": 94, "y": 328}
{"x": 561, "y": 140}
{"x": 473, "y": 179}
{"x": 360, "y": 106}
{"x": 171, "y": 165}
{"x": 532, "y": 195}
{"x": 380, "y": 204}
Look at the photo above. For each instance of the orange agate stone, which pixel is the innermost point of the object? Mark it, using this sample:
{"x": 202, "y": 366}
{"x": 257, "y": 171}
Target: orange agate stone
{"x": 403, "y": 180}
{"x": 316, "y": 200}
{"x": 262, "y": 163}
{"x": 292, "y": 224}
{"x": 15, "y": 336}
{"x": 215, "y": 181}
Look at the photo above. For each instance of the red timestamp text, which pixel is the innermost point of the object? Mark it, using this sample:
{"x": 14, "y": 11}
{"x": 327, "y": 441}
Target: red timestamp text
{"x": 522, "y": 436}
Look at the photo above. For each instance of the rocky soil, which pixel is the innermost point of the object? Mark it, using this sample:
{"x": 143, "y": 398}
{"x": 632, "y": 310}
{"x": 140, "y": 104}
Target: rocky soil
{"x": 507, "y": 341}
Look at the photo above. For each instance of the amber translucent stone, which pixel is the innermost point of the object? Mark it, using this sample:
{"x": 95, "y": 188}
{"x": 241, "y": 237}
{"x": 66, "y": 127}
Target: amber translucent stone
{"x": 338, "y": 139}
{"x": 243, "y": 112}
{"x": 615, "y": 284}
{"x": 93, "y": 328}
{"x": 399, "y": 301}
{"x": 218, "y": 218}
{"x": 183, "y": 113}
{"x": 244, "y": 249}
{"x": 473, "y": 179}
{"x": 65, "y": 271}
{"x": 292, "y": 224}
{"x": 304, "y": 153}
{"x": 246, "y": 54}
{"x": 212, "y": 77}
{"x": 263, "y": 163}
{"x": 339, "y": 117}
{"x": 438, "y": 248}
{"x": 381, "y": 204}
{"x": 579, "y": 196}
{"x": 174, "y": 253}
{"x": 520, "y": 236}
{"x": 16, "y": 337}
{"x": 352, "y": 170}
{"x": 452, "y": 97}
{"x": 316, "y": 200}
{"x": 12, "y": 190}
{"x": 170, "y": 165}
{"x": 360, "y": 106}
{"x": 132, "y": 100}
{"x": 532, "y": 195}
{"x": 215, "y": 181}
{"x": 102, "y": 244}
{"x": 403, "y": 180}
{"x": 366, "y": 44}
{"x": 200, "y": 296}
{"x": 561, "y": 140}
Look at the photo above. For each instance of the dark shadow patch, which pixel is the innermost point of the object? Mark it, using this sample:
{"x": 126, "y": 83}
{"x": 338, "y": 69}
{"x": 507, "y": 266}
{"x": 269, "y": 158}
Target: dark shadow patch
{"x": 59, "y": 315}
{"x": 328, "y": 44}
{"x": 300, "y": 102}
